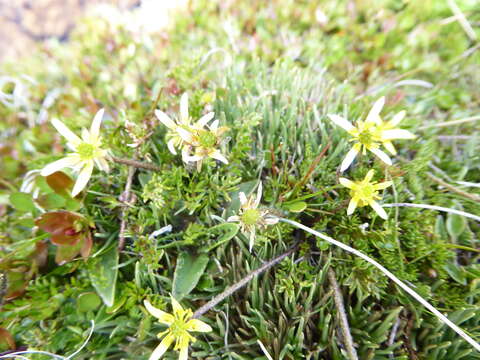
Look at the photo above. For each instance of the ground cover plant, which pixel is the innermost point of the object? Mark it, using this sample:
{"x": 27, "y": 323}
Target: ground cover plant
{"x": 114, "y": 234}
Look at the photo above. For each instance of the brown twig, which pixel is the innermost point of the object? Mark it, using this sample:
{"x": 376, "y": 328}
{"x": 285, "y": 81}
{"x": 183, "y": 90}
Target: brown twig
{"x": 126, "y": 195}
{"x": 453, "y": 188}
{"x": 244, "y": 281}
{"x": 136, "y": 164}
{"x": 338, "y": 299}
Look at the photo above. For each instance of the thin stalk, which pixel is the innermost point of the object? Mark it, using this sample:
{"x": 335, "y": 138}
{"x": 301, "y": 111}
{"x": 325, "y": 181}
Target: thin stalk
{"x": 433, "y": 207}
{"x": 396, "y": 280}
{"x": 450, "y": 123}
{"x": 453, "y": 188}
{"x": 137, "y": 164}
{"x": 244, "y": 281}
{"x": 127, "y": 198}
{"x": 342, "y": 314}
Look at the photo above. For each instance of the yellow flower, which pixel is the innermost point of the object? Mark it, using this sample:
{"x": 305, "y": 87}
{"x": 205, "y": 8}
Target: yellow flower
{"x": 87, "y": 151}
{"x": 250, "y": 216}
{"x": 203, "y": 142}
{"x": 371, "y": 134}
{"x": 179, "y": 324}
{"x": 364, "y": 193}
{"x": 184, "y": 122}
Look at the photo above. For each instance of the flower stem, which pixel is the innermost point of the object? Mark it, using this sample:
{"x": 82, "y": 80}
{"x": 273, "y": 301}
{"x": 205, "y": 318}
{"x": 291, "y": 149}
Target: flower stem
{"x": 137, "y": 164}
{"x": 396, "y": 280}
{"x": 433, "y": 207}
{"x": 244, "y": 281}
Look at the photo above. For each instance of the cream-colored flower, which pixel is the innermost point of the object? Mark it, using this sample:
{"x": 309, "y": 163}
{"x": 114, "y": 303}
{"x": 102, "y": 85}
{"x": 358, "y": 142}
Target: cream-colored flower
{"x": 86, "y": 151}
{"x": 202, "y": 141}
{"x": 364, "y": 193}
{"x": 371, "y": 134}
{"x": 174, "y": 140}
{"x": 179, "y": 325}
{"x": 251, "y": 217}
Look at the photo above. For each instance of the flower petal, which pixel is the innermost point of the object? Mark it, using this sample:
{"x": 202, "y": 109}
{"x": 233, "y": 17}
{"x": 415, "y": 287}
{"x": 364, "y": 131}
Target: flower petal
{"x": 205, "y": 119}
{"x": 390, "y": 148}
{"x": 251, "y": 239}
{"x": 397, "y": 118}
{"x": 184, "y": 109}
{"x": 397, "y": 134}
{"x": 349, "y": 158}
{"x": 102, "y": 164}
{"x": 176, "y": 305}
{"x": 378, "y": 209}
{"x": 162, "y": 347}
{"x": 369, "y": 176}
{"x": 183, "y": 355}
{"x": 352, "y": 206}
{"x": 381, "y": 155}
{"x": 185, "y": 135}
{"x": 374, "y": 113}
{"x": 171, "y": 146}
{"x": 218, "y": 156}
{"x": 346, "y": 182}
{"x": 383, "y": 185}
{"x": 242, "y": 197}
{"x": 165, "y": 120}
{"x": 95, "y": 127}
{"x": 162, "y": 316}
{"x": 66, "y": 132}
{"x": 197, "y": 325}
{"x": 233, "y": 218}
{"x": 83, "y": 178}
{"x": 259, "y": 195}
{"x": 342, "y": 122}
{"x": 192, "y": 158}
{"x": 58, "y": 165}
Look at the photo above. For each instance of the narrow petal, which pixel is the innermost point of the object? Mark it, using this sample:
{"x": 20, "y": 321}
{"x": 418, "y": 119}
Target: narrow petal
{"x": 374, "y": 114}
{"x": 205, "y": 119}
{"x": 397, "y": 134}
{"x": 171, "y": 146}
{"x": 218, "y": 156}
{"x": 86, "y": 136}
{"x": 183, "y": 355}
{"x": 197, "y": 325}
{"x": 243, "y": 198}
{"x": 184, "y": 109}
{"x": 382, "y": 156}
{"x": 83, "y": 178}
{"x": 176, "y": 305}
{"x": 162, "y": 347}
{"x": 383, "y": 185}
{"x": 192, "y": 158}
{"x": 259, "y": 195}
{"x": 66, "y": 132}
{"x": 390, "y": 148}
{"x": 378, "y": 209}
{"x": 162, "y": 316}
{"x": 102, "y": 164}
{"x": 233, "y": 218}
{"x": 349, "y": 158}
{"x": 251, "y": 240}
{"x": 95, "y": 127}
{"x": 342, "y": 122}
{"x": 214, "y": 127}
{"x": 185, "y": 135}
{"x": 58, "y": 165}
{"x": 165, "y": 120}
{"x": 369, "y": 175}
{"x": 397, "y": 119}
{"x": 352, "y": 206}
{"x": 347, "y": 183}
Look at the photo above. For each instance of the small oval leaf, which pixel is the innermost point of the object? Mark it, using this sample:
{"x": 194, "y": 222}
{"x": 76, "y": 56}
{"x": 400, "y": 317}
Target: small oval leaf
{"x": 187, "y": 273}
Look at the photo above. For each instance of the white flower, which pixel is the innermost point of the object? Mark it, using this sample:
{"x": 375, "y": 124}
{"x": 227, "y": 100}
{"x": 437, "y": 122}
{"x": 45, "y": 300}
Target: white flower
{"x": 371, "y": 134}
{"x": 29, "y": 183}
{"x": 250, "y": 216}
{"x": 86, "y": 151}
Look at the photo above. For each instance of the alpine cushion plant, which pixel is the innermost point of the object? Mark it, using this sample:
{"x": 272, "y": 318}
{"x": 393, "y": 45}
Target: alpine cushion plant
{"x": 180, "y": 323}
{"x": 86, "y": 151}
{"x": 371, "y": 133}
{"x": 365, "y": 192}
{"x": 251, "y": 217}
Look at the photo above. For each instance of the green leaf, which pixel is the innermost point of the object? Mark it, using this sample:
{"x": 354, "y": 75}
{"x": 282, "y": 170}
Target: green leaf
{"x": 455, "y": 225}
{"x": 297, "y": 207}
{"x": 88, "y": 301}
{"x": 187, "y": 273}
{"x": 103, "y": 272}
{"x": 456, "y": 273}
{"x": 22, "y": 202}
{"x": 226, "y": 232}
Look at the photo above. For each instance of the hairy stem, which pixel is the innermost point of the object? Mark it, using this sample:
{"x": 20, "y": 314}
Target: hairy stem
{"x": 137, "y": 164}
{"x": 244, "y": 281}
{"x": 338, "y": 299}
{"x": 396, "y": 280}
{"x": 433, "y": 207}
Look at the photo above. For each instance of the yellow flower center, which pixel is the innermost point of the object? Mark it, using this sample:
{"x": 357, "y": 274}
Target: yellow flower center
{"x": 178, "y": 327}
{"x": 250, "y": 217}
{"x": 86, "y": 151}
{"x": 365, "y": 137}
{"x": 206, "y": 138}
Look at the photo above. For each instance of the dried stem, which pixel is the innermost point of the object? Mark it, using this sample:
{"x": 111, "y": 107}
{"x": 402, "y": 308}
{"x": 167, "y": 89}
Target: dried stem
{"x": 338, "y": 299}
{"x": 126, "y": 195}
{"x": 244, "y": 281}
{"x": 453, "y": 188}
{"x": 136, "y": 164}
{"x": 434, "y": 207}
